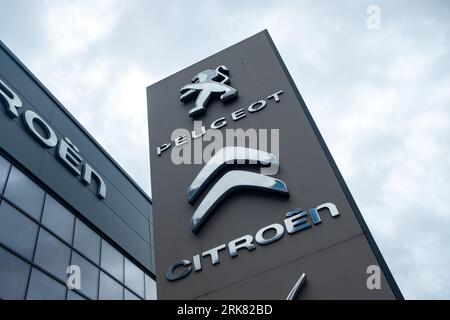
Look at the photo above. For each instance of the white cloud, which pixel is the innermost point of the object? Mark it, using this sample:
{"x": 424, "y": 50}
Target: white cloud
{"x": 296, "y": 29}
{"x": 72, "y": 26}
{"x": 105, "y": 94}
{"x": 123, "y": 130}
{"x": 392, "y": 146}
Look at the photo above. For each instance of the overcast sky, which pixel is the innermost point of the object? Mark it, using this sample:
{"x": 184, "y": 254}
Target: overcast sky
{"x": 380, "y": 97}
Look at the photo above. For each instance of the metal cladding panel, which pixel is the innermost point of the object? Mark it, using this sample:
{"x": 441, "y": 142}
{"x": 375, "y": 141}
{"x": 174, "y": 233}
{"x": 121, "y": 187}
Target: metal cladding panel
{"x": 124, "y": 215}
{"x": 330, "y": 252}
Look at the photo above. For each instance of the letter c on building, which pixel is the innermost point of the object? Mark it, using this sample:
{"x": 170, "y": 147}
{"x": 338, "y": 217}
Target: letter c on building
{"x": 170, "y": 273}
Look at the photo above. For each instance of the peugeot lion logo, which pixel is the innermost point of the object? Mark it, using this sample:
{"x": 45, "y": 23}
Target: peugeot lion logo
{"x": 231, "y": 181}
{"x": 205, "y": 84}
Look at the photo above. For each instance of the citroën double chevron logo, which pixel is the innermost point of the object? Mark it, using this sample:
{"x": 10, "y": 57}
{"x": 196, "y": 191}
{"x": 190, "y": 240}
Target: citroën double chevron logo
{"x": 231, "y": 181}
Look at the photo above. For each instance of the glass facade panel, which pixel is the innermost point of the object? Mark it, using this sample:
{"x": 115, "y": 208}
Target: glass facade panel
{"x": 17, "y": 231}
{"x": 112, "y": 261}
{"x": 110, "y": 289}
{"x": 57, "y": 218}
{"x": 134, "y": 278}
{"x": 14, "y": 274}
{"x": 87, "y": 241}
{"x": 4, "y": 170}
{"x": 130, "y": 295}
{"x": 50, "y": 243}
{"x": 150, "y": 288}
{"x": 89, "y": 276}
{"x": 26, "y": 194}
{"x": 52, "y": 254}
{"x": 43, "y": 287}
{"x": 72, "y": 295}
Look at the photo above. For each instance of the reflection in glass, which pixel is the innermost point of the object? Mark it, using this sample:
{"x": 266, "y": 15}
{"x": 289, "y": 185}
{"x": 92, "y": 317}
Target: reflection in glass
{"x": 87, "y": 241}
{"x": 150, "y": 288}
{"x": 130, "y": 296}
{"x": 112, "y": 261}
{"x": 21, "y": 235}
{"x": 58, "y": 219}
{"x": 4, "y": 169}
{"x": 14, "y": 274}
{"x": 110, "y": 289}
{"x": 52, "y": 254}
{"x": 25, "y": 193}
{"x": 89, "y": 276}
{"x": 43, "y": 287}
{"x": 16, "y": 230}
{"x": 134, "y": 277}
{"x": 72, "y": 295}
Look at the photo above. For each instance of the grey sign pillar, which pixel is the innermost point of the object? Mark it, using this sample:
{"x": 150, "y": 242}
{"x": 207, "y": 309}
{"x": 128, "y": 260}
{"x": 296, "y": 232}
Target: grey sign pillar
{"x": 306, "y": 242}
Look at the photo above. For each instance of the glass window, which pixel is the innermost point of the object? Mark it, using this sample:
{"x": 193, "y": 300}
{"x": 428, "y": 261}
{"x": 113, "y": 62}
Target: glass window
{"x": 110, "y": 289}
{"x": 87, "y": 241}
{"x": 89, "y": 276}
{"x": 57, "y": 218}
{"x": 17, "y": 231}
{"x": 14, "y": 274}
{"x": 73, "y": 295}
{"x": 150, "y": 288}
{"x": 4, "y": 169}
{"x": 130, "y": 295}
{"x": 134, "y": 277}
{"x": 112, "y": 261}
{"x": 52, "y": 254}
{"x": 25, "y": 193}
{"x": 43, "y": 287}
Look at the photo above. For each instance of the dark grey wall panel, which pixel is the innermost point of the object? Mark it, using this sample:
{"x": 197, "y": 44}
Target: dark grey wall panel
{"x": 124, "y": 215}
{"x": 152, "y": 259}
{"x": 21, "y": 82}
{"x": 19, "y": 143}
{"x": 90, "y": 151}
{"x": 117, "y": 202}
{"x": 330, "y": 281}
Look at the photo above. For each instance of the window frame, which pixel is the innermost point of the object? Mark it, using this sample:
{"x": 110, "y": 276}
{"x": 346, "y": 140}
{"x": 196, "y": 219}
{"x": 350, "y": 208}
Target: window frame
{"x": 77, "y": 215}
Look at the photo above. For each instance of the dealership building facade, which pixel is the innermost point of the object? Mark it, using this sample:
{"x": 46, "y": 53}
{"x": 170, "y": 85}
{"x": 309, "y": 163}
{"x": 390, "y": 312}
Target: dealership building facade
{"x": 73, "y": 224}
